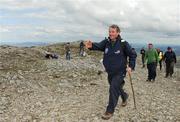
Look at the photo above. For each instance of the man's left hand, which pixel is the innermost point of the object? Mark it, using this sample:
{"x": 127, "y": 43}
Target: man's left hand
{"x": 129, "y": 70}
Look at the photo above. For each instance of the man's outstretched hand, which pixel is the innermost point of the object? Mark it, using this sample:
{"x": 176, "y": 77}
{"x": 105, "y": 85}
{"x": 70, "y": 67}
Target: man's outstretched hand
{"x": 88, "y": 44}
{"x": 129, "y": 70}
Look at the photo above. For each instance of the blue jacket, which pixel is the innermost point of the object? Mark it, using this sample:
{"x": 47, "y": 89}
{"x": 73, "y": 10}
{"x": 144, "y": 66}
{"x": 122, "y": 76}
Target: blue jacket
{"x": 115, "y": 56}
{"x": 134, "y": 55}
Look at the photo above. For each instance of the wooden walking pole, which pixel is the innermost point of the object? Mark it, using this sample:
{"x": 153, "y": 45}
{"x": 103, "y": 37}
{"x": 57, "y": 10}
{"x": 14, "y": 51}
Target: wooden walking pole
{"x": 130, "y": 78}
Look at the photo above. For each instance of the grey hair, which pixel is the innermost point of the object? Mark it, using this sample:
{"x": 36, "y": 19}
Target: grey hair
{"x": 115, "y": 27}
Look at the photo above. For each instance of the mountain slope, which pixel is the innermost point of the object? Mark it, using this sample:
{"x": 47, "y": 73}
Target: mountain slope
{"x": 33, "y": 88}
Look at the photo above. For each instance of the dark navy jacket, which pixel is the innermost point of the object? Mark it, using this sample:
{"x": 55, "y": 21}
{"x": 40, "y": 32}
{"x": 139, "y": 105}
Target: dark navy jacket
{"x": 115, "y": 57}
{"x": 170, "y": 57}
{"x": 134, "y": 55}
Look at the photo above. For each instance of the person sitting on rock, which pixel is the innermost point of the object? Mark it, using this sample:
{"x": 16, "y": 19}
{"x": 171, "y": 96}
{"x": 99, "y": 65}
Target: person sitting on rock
{"x": 55, "y": 56}
{"x": 116, "y": 51}
{"x": 49, "y": 55}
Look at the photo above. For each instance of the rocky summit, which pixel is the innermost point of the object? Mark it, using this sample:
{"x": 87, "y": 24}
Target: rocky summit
{"x": 36, "y": 89}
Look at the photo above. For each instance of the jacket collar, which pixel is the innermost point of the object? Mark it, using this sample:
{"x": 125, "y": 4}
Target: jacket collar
{"x": 117, "y": 39}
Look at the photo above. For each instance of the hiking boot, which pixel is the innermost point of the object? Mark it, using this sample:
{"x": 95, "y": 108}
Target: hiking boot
{"x": 124, "y": 102}
{"x": 148, "y": 80}
{"x": 107, "y": 115}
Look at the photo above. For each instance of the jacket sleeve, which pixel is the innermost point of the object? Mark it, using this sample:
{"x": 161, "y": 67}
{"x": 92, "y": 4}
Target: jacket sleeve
{"x": 129, "y": 53}
{"x": 157, "y": 57}
{"x": 136, "y": 54}
{"x": 99, "y": 46}
{"x": 164, "y": 56}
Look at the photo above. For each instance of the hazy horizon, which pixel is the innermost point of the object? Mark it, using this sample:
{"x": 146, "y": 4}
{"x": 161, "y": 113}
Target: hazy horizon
{"x": 54, "y": 42}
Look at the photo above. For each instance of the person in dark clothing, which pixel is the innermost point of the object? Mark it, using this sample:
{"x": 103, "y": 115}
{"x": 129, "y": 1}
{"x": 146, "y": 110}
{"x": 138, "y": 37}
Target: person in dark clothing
{"x": 115, "y": 51}
{"x": 160, "y": 54}
{"x": 81, "y": 46}
{"x": 170, "y": 60}
{"x": 49, "y": 55}
{"x": 68, "y": 51}
{"x": 134, "y": 56}
{"x": 142, "y": 57}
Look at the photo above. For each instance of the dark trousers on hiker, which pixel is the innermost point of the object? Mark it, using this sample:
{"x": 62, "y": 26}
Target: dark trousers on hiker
{"x": 134, "y": 64}
{"x": 169, "y": 68}
{"x": 160, "y": 64}
{"x": 143, "y": 60}
{"x": 151, "y": 71}
{"x": 81, "y": 52}
{"x": 68, "y": 55}
{"x": 116, "y": 83}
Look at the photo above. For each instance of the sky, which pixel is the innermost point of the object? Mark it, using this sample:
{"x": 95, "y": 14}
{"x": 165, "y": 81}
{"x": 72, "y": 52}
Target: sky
{"x": 141, "y": 21}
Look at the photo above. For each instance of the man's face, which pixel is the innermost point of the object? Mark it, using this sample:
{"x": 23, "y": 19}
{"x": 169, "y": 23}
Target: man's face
{"x": 169, "y": 50}
{"x": 150, "y": 46}
{"x": 113, "y": 34}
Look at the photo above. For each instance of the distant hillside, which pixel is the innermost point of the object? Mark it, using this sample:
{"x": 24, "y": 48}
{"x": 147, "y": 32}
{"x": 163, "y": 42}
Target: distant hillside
{"x": 26, "y": 44}
{"x": 138, "y": 47}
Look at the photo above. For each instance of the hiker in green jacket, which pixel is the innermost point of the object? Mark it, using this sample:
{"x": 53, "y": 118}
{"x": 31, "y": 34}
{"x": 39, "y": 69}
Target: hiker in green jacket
{"x": 151, "y": 56}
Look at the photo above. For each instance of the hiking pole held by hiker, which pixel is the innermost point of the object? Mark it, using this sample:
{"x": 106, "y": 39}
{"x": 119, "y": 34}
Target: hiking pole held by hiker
{"x": 130, "y": 78}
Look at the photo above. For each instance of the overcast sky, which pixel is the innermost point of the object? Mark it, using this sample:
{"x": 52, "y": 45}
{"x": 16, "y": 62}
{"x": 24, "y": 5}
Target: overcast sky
{"x": 156, "y": 21}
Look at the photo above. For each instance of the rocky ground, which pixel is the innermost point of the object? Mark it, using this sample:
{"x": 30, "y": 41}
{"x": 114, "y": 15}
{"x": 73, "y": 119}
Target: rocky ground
{"x": 35, "y": 89}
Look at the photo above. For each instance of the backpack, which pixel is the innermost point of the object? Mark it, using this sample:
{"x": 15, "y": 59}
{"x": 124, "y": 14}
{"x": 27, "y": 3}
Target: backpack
{"x": 123, "y": 44}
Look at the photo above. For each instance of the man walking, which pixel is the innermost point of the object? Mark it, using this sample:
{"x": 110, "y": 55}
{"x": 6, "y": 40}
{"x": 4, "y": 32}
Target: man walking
{"x": 68, "y": 51}
{"x": 151, "y": 56}
{"x": 170, "y": 60}
{"x": 81, "y": 49}
{"x": 115, "y": 51}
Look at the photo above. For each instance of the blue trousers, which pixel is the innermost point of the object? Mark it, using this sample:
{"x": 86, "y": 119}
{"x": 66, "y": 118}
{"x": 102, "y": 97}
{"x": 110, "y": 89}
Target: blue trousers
{"x": 116, "y": 83}
{"x": 134, "y": 64}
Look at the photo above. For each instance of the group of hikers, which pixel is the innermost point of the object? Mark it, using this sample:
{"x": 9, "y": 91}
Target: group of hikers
{"x": 119, "y": 58}
{"x": 67, "y": 48}
{"x": 154, "y": 57}
{"x": 116, "y": 52}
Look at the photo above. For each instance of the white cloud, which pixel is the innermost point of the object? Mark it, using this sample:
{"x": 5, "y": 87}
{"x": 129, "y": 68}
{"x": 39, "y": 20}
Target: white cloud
{"x": 76, "y": 19}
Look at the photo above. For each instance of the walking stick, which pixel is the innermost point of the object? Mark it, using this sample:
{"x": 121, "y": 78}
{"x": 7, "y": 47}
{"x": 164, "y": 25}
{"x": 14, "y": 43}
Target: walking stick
{"x": 132, "y": 89}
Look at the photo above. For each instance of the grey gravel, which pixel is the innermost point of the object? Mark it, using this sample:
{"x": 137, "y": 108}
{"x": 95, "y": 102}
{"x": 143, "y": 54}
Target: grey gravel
{"x": 34, "y": 89}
